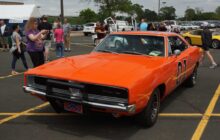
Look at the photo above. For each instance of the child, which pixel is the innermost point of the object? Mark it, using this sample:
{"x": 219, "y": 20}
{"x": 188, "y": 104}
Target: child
{"x": 58, "y": 34}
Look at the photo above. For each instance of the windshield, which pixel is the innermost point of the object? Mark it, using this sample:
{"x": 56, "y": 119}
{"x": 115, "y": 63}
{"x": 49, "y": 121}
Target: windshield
{"x": 133, "y": 44}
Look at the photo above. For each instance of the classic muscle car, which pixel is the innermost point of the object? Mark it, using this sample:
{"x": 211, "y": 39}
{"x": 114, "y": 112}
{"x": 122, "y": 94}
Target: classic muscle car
{"x": 128, "y": 74}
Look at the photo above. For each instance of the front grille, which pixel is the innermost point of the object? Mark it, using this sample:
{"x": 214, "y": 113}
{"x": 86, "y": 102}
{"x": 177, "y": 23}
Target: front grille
{"x": 63, "y": 89}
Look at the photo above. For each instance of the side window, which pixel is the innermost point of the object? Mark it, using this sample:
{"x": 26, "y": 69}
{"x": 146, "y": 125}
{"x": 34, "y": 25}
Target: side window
{"x": 176, "y": 43}
{"x": 197, "y": 32}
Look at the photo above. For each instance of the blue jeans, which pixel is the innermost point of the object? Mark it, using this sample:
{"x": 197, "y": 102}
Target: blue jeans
{"x": 59, "y": 49}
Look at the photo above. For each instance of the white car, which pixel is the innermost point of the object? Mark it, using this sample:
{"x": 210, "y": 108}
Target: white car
{"x": 188, "y": 27}
{"x": 89, "y": 28}
{"x": 123, "y": 26}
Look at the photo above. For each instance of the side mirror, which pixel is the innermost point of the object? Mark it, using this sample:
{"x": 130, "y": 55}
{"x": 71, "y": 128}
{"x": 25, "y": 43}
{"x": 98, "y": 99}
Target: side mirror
{"x": 177, "y": 52}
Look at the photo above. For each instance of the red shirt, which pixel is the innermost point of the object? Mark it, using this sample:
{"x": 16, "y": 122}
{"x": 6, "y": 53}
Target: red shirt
{"x": 58, "y": 34}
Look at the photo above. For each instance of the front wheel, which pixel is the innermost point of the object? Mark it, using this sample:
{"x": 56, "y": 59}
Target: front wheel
{"x": 215, "y": 44}
{"x": 149, "y": 115}
{"x": 86, "y": 34}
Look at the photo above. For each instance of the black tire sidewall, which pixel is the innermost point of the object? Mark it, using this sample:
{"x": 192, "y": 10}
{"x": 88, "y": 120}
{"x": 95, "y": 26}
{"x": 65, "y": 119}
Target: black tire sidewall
{"x": 144, "y": 118}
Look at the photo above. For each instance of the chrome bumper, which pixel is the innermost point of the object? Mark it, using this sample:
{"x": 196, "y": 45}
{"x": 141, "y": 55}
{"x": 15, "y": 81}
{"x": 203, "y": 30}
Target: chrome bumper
{"x": 123, "y": 108}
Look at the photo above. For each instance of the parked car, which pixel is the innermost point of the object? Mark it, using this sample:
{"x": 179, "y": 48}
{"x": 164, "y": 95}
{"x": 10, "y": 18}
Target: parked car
{"x": 76, "y": 27}
{"x": 89, "y": 28}
{"x": 128, "y": 74}
{"x": 194, "y": 37}
{"x": 188, "y": 26}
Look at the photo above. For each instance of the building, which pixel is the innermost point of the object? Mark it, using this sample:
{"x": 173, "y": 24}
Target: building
{"x": 11, "y": 3}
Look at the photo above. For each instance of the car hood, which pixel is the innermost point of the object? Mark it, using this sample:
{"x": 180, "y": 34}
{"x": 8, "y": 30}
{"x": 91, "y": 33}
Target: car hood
{"x": 120, "y": 70}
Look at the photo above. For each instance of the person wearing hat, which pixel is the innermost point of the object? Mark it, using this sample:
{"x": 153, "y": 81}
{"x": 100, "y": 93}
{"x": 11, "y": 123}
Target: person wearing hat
{"x": 207, "y": 43}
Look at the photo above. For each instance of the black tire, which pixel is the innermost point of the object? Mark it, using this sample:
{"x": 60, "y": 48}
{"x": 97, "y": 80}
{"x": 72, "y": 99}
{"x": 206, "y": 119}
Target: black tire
{"x": 58, "y": 106}
{"x": 191, "y": 81}
{"x": 86, "y": 34}
{"x": 215, "y": 44}
{"x": 149, "y": 115}
{"x": 188, "y": 40}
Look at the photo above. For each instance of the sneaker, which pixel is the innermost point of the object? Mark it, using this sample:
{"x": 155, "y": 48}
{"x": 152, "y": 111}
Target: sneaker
{"x": 69, "y": 50}
{"x": 213, "y": 66}
{"x": 65, "y": 49}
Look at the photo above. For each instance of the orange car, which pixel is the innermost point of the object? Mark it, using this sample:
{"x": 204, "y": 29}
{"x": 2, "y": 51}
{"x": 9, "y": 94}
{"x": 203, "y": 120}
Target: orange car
{"x": 127, "y": 74}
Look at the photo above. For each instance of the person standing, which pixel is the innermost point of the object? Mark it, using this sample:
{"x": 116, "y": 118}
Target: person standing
{"x": 44, "y": 25}
{"x": 206, "y": 44}
{"x": 151, "y": 27}
{"x": 19, "y": 50}
{"x": 66, "y": 29}
{"x": 4, "y": 35}
{"x": 162, "y": 27}
{"x": 59, "y": 34}
{"x": 35, "y": 38}
{"x": 143, "y": 25}
{"x": 100, "y": 31}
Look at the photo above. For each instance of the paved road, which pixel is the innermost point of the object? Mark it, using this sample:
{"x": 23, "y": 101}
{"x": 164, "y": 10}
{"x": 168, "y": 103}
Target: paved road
{"x": 180, "y": 116}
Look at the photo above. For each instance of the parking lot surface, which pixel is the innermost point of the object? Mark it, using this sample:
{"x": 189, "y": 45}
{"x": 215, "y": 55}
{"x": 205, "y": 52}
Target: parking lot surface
{"x": 188, "y": 113}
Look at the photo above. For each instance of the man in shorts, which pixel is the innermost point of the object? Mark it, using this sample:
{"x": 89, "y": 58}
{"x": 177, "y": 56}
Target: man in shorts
{"x": 206, "y": 44}
{"x": 4, "y": 35}
{"x": 44, "y": 25}
{"x": 67, "y": 30}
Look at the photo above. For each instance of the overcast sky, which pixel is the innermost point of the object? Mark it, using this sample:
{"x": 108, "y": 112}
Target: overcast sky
{"x": 73, "y": 7}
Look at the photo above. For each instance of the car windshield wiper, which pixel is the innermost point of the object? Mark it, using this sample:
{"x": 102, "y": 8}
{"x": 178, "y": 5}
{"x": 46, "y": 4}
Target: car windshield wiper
{"x": 132, "y": 52}
{"x": 107, "y": 51}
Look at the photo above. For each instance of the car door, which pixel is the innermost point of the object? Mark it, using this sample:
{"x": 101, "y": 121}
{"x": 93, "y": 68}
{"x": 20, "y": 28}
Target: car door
{"x": 181, "y": 62}
{"x": 196, "y": 37}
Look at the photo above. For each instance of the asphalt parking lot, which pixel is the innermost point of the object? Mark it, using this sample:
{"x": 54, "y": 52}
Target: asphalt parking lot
{"x": 188, "y": 113}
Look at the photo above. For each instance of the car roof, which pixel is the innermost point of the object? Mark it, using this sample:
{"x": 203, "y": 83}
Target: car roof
{"x": 152, "y": 33}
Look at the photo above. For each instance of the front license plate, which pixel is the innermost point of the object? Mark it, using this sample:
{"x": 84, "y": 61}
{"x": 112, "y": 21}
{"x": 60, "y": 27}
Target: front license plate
{"x": 73, "y": 107}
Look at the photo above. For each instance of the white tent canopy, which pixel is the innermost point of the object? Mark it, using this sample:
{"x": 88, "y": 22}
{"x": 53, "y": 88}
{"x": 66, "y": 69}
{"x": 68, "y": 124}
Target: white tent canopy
{"x": 19, "y": 12}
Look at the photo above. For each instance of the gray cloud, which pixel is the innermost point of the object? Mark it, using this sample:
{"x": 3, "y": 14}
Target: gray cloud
{"x": 73, "y": 7}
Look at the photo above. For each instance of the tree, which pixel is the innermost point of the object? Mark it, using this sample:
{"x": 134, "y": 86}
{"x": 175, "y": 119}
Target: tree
{"x": 198, "y": 10}
{"x": 109, "y": 7}
{"x": 190, "y": 14}
{"x": 167, "y": 13}
{"x": 138, "y": 9}
{"x": 150, "y": 15}
{"x": 88, "y": 15}
{"x": 217, "y": 11}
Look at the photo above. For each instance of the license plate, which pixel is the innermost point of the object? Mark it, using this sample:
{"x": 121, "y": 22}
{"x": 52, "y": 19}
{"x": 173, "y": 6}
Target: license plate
{"x": 73, "y": 107}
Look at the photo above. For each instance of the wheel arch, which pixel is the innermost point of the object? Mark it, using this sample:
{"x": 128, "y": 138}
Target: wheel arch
{"x": 162, "y": 89}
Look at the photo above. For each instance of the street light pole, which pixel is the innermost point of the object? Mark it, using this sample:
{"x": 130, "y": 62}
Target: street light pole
{"x": 158, "y": 7}
{"x": 61, "y": 9}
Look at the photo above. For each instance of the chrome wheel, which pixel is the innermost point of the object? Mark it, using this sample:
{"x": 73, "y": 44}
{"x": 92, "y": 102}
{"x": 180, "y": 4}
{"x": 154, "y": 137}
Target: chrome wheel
{"x": 155, "y": 107}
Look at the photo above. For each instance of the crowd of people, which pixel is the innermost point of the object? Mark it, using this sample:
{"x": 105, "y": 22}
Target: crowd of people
{"x": 39, "y": 35}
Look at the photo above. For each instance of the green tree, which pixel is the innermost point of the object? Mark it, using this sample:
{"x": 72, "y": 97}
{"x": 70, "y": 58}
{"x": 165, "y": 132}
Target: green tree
{"x": 167, "y": 13}
{"x": 207, "y": 16}
{"x": 109, "y": 7}
{"x": 87, "y": 15}
{"x": 217, "y": 11}
{"x": 138, "y": 9}
{"x": 150, "y": 15}
{"x": 190, "y": 14}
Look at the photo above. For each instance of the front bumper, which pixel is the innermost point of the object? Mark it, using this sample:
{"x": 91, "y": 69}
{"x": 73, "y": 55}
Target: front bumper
{"x": 122, "y": 108}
